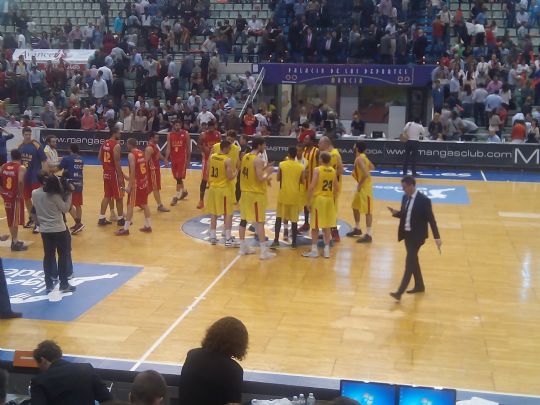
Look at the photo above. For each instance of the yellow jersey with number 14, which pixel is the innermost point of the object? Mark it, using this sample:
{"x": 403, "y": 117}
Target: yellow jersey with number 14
{"x": 248, "y": 177}
{"x": 325, "y": 182}
{"x": 217, "y": 174}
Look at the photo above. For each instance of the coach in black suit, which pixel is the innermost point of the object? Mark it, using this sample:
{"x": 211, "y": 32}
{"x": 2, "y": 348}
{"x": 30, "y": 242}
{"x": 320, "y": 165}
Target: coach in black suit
{"x": 5, "y": 305}
{"x": 63, "y": 383}
{"x": 414, "y": 216}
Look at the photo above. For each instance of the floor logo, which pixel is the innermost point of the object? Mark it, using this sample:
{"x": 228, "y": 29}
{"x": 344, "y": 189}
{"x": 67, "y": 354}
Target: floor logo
{"x": 94, "y": 282}
{"x": 438, "y": 194}
{"x": 198, "y": 228}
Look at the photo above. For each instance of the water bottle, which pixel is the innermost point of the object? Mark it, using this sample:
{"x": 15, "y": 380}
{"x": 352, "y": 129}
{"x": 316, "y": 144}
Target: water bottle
{"x": 310, "y": 399}
{"x": 301, "y": 399}
{"x": 294, "y": 400}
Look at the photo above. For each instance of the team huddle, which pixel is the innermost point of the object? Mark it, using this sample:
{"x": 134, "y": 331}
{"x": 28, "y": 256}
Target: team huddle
{"x": 309, "y": 180}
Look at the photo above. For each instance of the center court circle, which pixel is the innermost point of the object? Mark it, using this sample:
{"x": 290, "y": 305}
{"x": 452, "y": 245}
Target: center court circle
{"x": 198, "y": 228}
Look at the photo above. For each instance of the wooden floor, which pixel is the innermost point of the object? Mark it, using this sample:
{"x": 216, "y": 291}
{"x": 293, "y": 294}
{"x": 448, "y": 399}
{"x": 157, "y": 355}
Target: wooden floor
{"x": 477, "y": 326}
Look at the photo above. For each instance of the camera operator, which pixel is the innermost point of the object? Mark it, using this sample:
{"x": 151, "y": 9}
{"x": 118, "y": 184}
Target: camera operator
{"x": 52, "y": 201}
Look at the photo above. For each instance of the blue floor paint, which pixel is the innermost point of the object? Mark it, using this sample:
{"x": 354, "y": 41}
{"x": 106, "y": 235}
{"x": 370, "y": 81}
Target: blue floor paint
{"x": 444, "y": 174}
{"x": 439, "y": 194}
{"x": 94, "y": 283}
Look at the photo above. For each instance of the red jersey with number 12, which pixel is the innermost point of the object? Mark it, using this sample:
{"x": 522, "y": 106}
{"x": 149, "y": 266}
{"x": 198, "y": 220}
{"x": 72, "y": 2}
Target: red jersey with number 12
{"x": 107, "y": 155}
{"x": 10, "y": 180}
{"x": 153, "y": 163}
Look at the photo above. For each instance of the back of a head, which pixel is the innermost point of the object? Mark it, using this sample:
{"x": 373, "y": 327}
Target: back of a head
{"x": 227, "y": 336}
{"x": 344, "y": 401}
{"x": 48, "y": 350}
{"x": 149, "y": 388}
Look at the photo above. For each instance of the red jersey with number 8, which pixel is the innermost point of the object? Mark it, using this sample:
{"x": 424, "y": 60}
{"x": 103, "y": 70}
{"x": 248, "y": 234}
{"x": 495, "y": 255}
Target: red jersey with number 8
{"x": 10, "y": 180}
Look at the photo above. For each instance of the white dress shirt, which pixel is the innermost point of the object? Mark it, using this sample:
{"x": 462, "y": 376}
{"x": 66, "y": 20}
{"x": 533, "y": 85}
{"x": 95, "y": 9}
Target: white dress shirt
{"x": 409, "y": 211}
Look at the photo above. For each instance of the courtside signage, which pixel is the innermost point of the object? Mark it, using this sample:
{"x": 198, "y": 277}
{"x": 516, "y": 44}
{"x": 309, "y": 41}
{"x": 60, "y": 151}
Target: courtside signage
{"x": 439, "y": 194}
{"x": 94, "y": 283}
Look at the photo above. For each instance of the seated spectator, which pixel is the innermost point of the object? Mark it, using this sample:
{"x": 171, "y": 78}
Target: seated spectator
{"x": 533, "y": 134}
{"x": 64, "y": 383}
{"x": 358, "y": 126}
{"x": 210, "y": 375}
{"x": 519, "y": 132}
{"x": 149, "y": 388}
{"x": 13, "y": 123}
{"x": 88, "y": 121}
{"x": 493, "y": 137}
{"x": 435, "y": 127}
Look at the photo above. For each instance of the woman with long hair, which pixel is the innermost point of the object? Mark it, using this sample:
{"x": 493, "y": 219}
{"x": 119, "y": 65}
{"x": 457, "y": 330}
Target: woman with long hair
{"x": 211, "y": 374}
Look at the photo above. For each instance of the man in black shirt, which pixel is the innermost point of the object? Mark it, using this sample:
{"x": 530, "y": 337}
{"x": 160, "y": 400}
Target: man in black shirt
{"x": 241, "y": 24}
{"x": 62, "y": 382}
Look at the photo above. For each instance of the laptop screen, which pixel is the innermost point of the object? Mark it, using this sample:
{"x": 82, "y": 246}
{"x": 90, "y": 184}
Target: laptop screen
{"x": 367, "y": 393}
{"x": 426, "y": 396}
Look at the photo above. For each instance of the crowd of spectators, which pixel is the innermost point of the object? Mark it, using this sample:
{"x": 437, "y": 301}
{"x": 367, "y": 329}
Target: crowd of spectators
{"x": 485, "y": 75}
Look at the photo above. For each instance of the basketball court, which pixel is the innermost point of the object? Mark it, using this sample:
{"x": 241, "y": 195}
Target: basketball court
{"x": 150, "y": 297}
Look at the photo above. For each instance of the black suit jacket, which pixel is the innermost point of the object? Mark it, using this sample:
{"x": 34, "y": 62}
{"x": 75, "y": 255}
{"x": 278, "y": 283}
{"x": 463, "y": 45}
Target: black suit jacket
{"x": 66, "y": 383}
{"x": 421, "y": 215}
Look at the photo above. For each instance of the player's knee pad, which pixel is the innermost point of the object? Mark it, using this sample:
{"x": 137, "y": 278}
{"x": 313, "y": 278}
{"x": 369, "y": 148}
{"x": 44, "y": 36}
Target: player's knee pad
{"x": 179, "y": 181}
{"x": 243, "y": 223}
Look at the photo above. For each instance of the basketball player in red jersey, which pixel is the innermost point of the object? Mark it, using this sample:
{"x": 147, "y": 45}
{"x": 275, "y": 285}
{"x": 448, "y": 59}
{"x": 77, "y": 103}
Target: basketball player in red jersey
{"x": 207, "y": 140}
{"x": 153, "y": 155}
{"x": 113, "y": 177}
{"x": 12, "y": 177}
{"x": 179, "y": 154}
{"x": 137, "y": 188}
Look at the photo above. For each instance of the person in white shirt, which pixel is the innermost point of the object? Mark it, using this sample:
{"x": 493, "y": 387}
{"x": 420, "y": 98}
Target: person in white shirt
{"x": 250, "y": 81}
{"x": 205, "y": 116}
{"x": 99, "y": 87}
{"x": 106, "y": 74}
{"x": 52, "y": 154}
{"x": 255, "y": 26}
{"x": 411, "y": 133}
{"x": 21, "y": 40}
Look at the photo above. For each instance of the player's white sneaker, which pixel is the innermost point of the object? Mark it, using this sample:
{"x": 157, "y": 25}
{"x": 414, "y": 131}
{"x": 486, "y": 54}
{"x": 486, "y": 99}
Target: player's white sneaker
{"x": 311, "y": 253}
{"x": 265, "y": 255}
{"x": 231, "y": 242}
{"x": 246, "y": 250}
{"x": 213, "y": 241}
{"x": 326, "y": 252}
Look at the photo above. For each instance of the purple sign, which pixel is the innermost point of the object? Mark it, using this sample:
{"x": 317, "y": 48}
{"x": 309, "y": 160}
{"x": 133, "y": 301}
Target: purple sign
{"x": 373, "y": 75}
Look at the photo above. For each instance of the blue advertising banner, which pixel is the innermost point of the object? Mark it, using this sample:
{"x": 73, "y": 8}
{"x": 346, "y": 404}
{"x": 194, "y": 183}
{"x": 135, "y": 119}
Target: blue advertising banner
{"x": 94, "y": 283}
{"x": 439, "y": 194}
{"x": 321, "y": 74}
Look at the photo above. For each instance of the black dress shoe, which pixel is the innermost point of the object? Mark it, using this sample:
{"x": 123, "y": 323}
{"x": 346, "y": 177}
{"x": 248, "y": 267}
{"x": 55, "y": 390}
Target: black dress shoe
{"x": 416, "y": 290}
{"x": 396, "y": 296}
{"x": 11, "y": 315}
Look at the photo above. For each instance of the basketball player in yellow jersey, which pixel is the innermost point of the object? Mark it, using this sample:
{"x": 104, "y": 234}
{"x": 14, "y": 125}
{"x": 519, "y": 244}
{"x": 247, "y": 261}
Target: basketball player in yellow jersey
{"x": 311, "y": 161}
{"x": 363, "y": 197}
{"x": 322, "y": 192}
{"x": 291, "y": 178}
{"x": 233, "y": 154}
{"x": 220, "y": 197}
{"x": 325, "y": 145}
{"x": 254, "y": 176}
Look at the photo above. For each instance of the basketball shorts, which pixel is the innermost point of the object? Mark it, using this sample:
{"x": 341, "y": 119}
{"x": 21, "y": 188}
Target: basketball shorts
{"x": 179, "y": 168}
{"x": 219, "y": 201}
{"x": 323, "y": 212}
{"x": 363, "y": 201}
{"x": 14, "y": 211}
{"x": 154, "y": 180}
{"x": 253, "y": 206}
{"x": 138, "y": 196}
{"x": 288, "y": 212}
{"x": 77, "y": 198}
{"x": 112, "y": 186}
{"x": 28, "y": 188}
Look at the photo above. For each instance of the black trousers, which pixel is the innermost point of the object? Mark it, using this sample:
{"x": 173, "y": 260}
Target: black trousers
{"x": 53, "y": 243}
{"x": 5, "y": 305}
{"x": 411, "y": 151}
{"x": 412, "y": 265}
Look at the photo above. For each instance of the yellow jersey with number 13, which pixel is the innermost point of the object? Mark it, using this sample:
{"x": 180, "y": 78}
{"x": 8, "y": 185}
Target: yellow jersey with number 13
{"x": 217, "y": 175}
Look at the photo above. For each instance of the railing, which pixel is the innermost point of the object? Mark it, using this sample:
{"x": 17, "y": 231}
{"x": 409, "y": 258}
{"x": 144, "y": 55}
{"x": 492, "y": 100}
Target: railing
{"x": 253, "y": 93}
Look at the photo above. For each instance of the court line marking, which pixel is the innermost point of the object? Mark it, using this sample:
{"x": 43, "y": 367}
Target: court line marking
{"x": 483, "y": 175}
{"x": 526, "y": 215}
{"x": 184, "y": 314}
